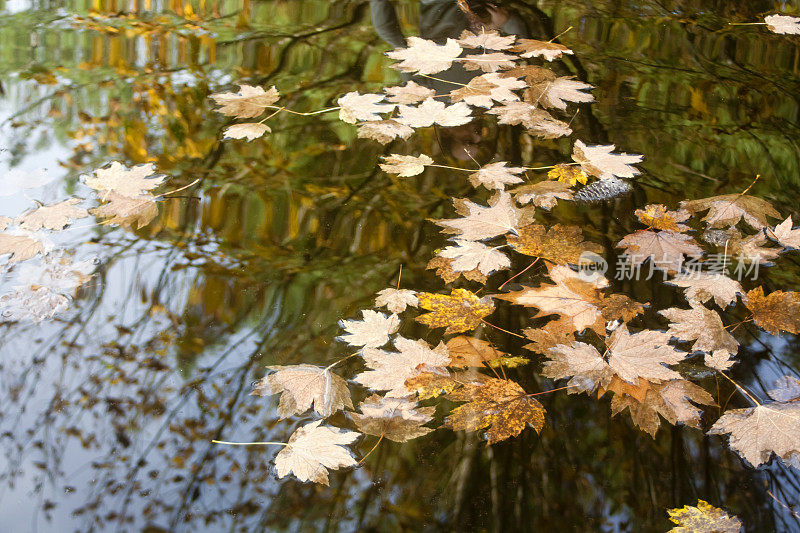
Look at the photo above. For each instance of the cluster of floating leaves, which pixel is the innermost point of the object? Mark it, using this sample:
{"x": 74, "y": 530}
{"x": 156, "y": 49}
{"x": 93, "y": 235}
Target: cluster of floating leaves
{"x": 593, "y": 343}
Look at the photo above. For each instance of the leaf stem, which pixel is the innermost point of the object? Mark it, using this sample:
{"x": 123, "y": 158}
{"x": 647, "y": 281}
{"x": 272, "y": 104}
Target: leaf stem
{"x": 453, "y": 168}
{"x": 559, "y": 35}
{"x": 518, "y": 274}
{"x": 267, "y": 443}
{"x": 181, "y": 189}
{"x": 443, "y": 80}
{"x": 340, "y": 361}
{"x": 372, "y": 450}
{"x": 503, "y": 330}
{"x": 741, "y": 389}
{"x": 279, "y": 108}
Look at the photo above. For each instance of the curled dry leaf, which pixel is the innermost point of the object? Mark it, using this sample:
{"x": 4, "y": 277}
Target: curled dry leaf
{"x": 499, "y": 406}
{"x": 396, "y": 300}
{"x": 728, "y": 209}
{"x": 405, "y": 165}
{"x": 396, "y": 419}
{"x": 559, "y": 244}
{"x": 248, "y": 130}
{"x": 127, "y": 211}
{"x": 300, "y": 386}
{"x": 362, "y": 107}
{"x": 123, "y": 181}
{"x": 410, "y": 93}
{"x": 546, "y": 49}
{"x": 372, "y": 331}
{"x": 665, "y": 248}
{"x": 749, "y": 250}
{"x": 544, "y": 194}
{"x": 776, "y": 312}
{"x": 249, "y": 102}
{"x": 601, "y": 161}
{"x": 785, "y": 234}
{"x": 490, "y": 40}
{"x": 390, "y": 370}
{"x": 703, "y": 518}
{"x": 556, "y": 93}
{"x": 701, "y": 325}
{"x": 657, "y": 216}
{"x": 479, "y": 223}
{"x": 54, "y": 216}
{"x": 312, "y": 450}
{"x": 384, "y": 131}
{"x": 425, "y": 57}
{"x": 471, "y": 255}
{"x": 703, "y": 286}
{"x": 783, "y": 24}
{"x": 459, "y": 311}
{"x": 758, "y": 432}
{"x": 432, "y": 112}
{"x": 496, "y": 176}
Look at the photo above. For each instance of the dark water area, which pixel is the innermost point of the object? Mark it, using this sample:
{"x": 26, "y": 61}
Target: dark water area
{"x": 109, "y": 409}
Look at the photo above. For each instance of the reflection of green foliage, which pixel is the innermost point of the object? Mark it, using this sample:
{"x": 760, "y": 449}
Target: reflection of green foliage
{"x": 297, "y": 230}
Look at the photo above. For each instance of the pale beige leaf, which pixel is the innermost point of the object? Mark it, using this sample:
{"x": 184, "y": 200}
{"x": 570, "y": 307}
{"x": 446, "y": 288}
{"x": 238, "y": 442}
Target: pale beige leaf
{"x": 410, "y": 93}
{"x": 491, "y": 62}
{"x": 484, "y": 90}
{"x": 471, "y": 255}
{"x": 728, "y": 209}
{"x": 758, "y": 432}
{"x": 4, "y": 222}
{"x": 432, "y": 112}
{"x": 123, "y": 181}
{"x": 642, "y": 355}
{"x": 665, "y": 249}
{"x": 479, "y": 222}
{"x": 425, "y": 57}
{"x": 248, "y": 130}
{"x": 390, "y": 370}
{"x": 396, "y": 419}
{"x": 703, "y": 286}
{"x": 786, "y": 235}
{"x": 544, "y": 194}
{"x": 546, "y": 49}
{"x": 312, "y": 450}
{"x": 556, "y": 93}
{"x": 580, "y": 362}
{"x": 783, "y": 24}
{"x": 384, "y": 131}
{"x": 54, "y": 216}
{"x": 496, "y": 176}
{"x": 405, "y": 165}
{"x": 490, "y": 40}
{"x": 538, "y": 121}
{"x": 601, "y": 161}
{"x": 357, "y": 107}
{"x": 300, "y": 386}
{"x": 372, "y": 331}
{"x": 396, "y": 300}
{"x": 31, "y": 303}
{"x": 21, "y": 245}
{"x": 701, "y": 325}
{"x": 127, "y": 211}
{"x": 719, "y": 359}
{"x": 249, "y": 102}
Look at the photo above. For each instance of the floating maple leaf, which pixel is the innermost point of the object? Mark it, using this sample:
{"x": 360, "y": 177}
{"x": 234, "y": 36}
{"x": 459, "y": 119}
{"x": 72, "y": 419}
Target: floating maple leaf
{"x": 620, "y": 307}
{"x": 389, "y": 371}
{"x": 484, "y": 90}
{"x": 247, "y": 130}
{"x": 601, "y": 161}
{"x": 538, "y": 121}
{"x": 490, "y": 40}
{"x": 312, "y": 450}
{"x": 371, "y": 332}
{"x": 729, "y": 209}
{"x": 703, "y": 286}
{"x": 459, "y": 311}
{"x": 544, "y": 194}
{"x": 701, "y": 325}
{"x": 488, "y": 62}
{"x": 410, "y": 93}
{"x": 549, "y": 336}
{"x": 777, "y": 311}
{"x": 126, "y": 210}
{"x": 425, "y": 57}
{"x": 471, "y": 255}
{"x": 249, "y": 102}
{"x": 21, "y": 245}
{"x": 300, "y": 386}
{"x": 444, "y": 269}
{"x": 356, "y": 107}
{"x": 31, "y": 303}
{"x": 396, "y": 300}
{"x": 123, "y": 181}
{"x": 384, "y": 131}
{"x": 54, "y": 216}
{"x": 556, "y": 93}
{"x": 478, "y": 222}
{"x": 783, "y": 24}
{"x": 785, "y": 234}
{"x": 499, "y": 406}
{"x": 719, "y": 360}
{"x": 785, "y": 389}
{"x": 405, "y": 165}
{"x": 559, "y": 244}
{"x": 703, "y": 518}
{"x": 471, "y": 352}
{"x": 546, "y": 49}
{"x": 428, "y": 385}
{"x": 396, "y": 419}
{"x": 572, "y": 297}
{"x": 758, "y": 432}
{"x": 496, "y": 176}
{"x": 749, "y": 249}
{"x": 664, "y": 248}
{"x": 657, "y": 216}
{"x": 431, "y": 112}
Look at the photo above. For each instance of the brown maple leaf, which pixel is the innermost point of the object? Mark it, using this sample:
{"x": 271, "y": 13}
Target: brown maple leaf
{"x": 657, "y": 216}
{"x": 459, "y": 311}
{"x": 620, "y": 307}
{"x": 729, "y": 209}
{"x": 471, "y": 352}
{"x": 664, "y": 248}
{"x": 544, "y": 194}
{"x": 249, "y": 102}
{"x": 396, "y": 419}
{"x": 777, "y": 311}
{"x": 701, "y": 325}
{"x": 499, "y": 406}
{"x": 444, "y": 269}
{"x": 703, "y": 286}
{"x": 549, "y": 336}
{"x": 559, "y": 244}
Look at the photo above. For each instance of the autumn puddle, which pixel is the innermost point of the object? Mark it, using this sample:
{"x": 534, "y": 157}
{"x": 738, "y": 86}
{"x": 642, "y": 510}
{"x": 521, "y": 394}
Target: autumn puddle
{"x": 399, "y": 265}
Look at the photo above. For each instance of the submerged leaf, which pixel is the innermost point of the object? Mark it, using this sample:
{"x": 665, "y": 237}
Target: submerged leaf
{"x": 126, "y": 210}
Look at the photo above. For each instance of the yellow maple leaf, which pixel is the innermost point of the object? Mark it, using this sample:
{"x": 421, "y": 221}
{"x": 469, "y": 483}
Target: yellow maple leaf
{"x": 459, "y": 311}
{"x": 559, "y": 244}
{"x": 568, "y": 173}
{"x": 777, "y": 311}
{"x": 703, "y": 518}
